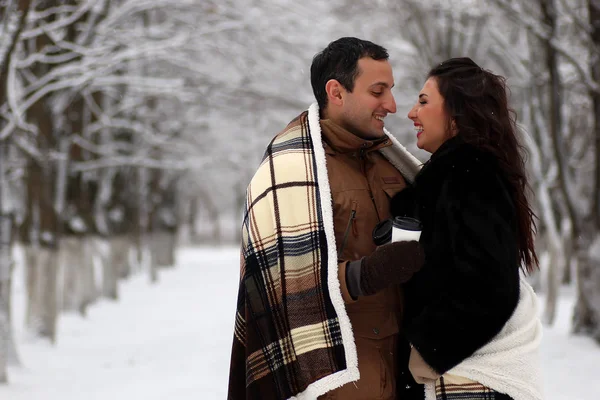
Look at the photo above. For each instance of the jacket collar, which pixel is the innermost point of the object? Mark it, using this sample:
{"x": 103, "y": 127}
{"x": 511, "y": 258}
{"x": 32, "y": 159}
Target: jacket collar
{"x": 340, "y": 140}
{"x": 447, "y": 147}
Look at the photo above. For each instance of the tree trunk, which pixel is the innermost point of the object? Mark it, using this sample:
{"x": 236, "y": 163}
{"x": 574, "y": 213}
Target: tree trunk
{"x": 548, "y": 243}
{"x": 6, "y": 240}
{"x": 88, "y": 275}
{"x": 42, "y": 282}
{"x": 7, "y": 347}
{"x": 212, "y": 215}
{"x": 163, "y": 248}
{"x": 41, "y": 226}
{"x": 553, "y": 272}
{"x": 119, "y": 250}
{"x": 193, "y": 236}
{"x": 33, "y": 302}
{"x": 586, "y": 318}
{"x": 5, "y": 272}
{"x": 143, "y": 236}
{"x": 48, "y": 263}
{"x": 10, "y": 42}
{"x": 72, "y": 255}
{"x": 4, "y": 329}
{"x": 110, "y": 287}
{"x": 150, "y": 254}
{"x": 13, "y": 354}
{"x": 164, "y": 218}
{"x": 594, "y": 13}
{"x": 567, "y": 240}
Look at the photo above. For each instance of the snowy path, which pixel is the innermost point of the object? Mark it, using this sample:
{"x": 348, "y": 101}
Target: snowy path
{"x": 172, "y": 341}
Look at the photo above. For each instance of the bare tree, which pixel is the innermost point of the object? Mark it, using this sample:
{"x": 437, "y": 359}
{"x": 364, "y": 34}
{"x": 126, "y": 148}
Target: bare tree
{"x": 570, "y": 46}
{"x": 14, "y": 15}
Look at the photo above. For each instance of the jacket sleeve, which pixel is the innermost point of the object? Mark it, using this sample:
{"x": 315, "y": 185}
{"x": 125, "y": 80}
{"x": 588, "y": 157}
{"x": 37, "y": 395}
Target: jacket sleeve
{"x": 348, "y": 299}
{"x": 472, "y": 286}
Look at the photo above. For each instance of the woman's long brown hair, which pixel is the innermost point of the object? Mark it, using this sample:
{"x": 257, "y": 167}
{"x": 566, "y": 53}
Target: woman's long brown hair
{"x": 476, "y": 101}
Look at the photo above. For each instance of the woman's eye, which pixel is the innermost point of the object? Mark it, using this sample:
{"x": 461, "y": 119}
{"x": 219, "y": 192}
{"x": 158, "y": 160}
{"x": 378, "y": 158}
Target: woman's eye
{"x": 377, "y": 93}
{"x": 422, "y": 102}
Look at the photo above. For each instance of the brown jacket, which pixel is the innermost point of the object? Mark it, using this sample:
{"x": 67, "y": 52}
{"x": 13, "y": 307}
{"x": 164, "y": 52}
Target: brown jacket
{"x": 362, "y": 183}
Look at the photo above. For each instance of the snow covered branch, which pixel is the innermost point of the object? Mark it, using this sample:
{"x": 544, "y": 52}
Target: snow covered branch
{"x": 543, "y": 32}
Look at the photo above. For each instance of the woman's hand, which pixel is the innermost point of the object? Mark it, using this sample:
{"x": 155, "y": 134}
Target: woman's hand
{"x": 420, "y": 370}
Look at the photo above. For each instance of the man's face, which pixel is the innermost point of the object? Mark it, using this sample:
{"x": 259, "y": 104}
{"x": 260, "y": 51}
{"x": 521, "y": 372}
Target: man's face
{"x": 364, "y": 109}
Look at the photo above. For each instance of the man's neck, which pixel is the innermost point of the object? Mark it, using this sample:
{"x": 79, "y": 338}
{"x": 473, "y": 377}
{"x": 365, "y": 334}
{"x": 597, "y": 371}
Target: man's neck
{"x": 352, "y": 131}
{"x": 333, "y": 117}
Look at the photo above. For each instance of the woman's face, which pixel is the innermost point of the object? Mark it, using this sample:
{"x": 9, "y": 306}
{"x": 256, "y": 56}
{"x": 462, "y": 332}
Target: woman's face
{"x": 430, "y": 118}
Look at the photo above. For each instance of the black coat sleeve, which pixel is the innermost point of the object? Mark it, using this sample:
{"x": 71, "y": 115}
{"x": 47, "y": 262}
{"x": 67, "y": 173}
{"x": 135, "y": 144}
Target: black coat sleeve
{"x": 470, "y": 283}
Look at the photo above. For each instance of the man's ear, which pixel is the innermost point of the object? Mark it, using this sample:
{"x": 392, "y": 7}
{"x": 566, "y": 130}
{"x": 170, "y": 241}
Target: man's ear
{"x": 334, "y": 92}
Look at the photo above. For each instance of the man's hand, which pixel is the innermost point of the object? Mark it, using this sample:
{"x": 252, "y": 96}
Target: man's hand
{"x": 420, "y": 370}
{"x": 389, "y": 264}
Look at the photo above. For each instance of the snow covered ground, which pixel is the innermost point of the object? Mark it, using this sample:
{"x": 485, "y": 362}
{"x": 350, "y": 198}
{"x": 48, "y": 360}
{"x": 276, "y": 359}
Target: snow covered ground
{"x": 172, "y": 341}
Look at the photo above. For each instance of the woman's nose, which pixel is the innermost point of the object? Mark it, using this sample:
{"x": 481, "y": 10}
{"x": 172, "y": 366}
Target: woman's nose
{"x": 412, "y": 113}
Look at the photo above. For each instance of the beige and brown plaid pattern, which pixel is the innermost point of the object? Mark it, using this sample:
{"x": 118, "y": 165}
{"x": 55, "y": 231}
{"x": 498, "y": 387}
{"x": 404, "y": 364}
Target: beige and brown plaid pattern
{"x": 452, "y": 387}
{"x": 287, "y": 334}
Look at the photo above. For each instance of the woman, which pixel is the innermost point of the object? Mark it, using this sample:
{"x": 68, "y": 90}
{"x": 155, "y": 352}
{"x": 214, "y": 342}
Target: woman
{"x": 470, "y": 318}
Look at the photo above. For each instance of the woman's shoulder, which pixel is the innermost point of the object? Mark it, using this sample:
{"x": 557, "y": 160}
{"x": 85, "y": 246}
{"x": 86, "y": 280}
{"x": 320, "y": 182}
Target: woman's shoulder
{"x": 463, "y": 162}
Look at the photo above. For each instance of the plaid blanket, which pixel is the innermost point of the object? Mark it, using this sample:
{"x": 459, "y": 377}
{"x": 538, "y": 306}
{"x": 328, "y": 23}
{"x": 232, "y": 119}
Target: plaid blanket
{"x": 455, "y": 388}
{"x": 293, "y": 338}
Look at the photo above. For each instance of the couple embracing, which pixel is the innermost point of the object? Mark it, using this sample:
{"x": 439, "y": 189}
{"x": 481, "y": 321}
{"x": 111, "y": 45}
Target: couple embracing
{"x": 442, "y": 312}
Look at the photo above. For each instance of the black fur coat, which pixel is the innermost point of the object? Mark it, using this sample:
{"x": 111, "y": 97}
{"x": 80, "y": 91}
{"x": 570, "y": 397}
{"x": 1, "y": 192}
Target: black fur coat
{"x": 469, "y": 285}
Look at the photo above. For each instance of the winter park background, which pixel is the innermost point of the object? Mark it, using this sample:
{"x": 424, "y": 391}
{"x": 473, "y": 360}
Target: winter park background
{"x": 129, "y": 130}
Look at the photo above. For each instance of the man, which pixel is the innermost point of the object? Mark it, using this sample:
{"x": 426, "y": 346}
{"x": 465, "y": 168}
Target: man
{"x": 319, "y": 304}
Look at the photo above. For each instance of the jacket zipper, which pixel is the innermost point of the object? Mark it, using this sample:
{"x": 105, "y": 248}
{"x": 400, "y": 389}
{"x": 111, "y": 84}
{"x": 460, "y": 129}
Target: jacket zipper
{"x": 347, "y": 233}
{"x": 361, "y": 157}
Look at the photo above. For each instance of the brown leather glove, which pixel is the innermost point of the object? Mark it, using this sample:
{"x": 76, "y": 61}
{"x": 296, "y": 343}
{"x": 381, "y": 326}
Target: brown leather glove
{"x": 389, "y": 264}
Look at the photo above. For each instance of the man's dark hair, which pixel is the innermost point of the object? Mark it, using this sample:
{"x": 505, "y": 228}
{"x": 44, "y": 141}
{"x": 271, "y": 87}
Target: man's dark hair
{"x": 339, "y": 61}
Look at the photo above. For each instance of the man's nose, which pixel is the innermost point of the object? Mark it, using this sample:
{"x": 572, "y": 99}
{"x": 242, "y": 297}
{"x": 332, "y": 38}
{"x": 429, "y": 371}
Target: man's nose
{"x": 390, "y": 106}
